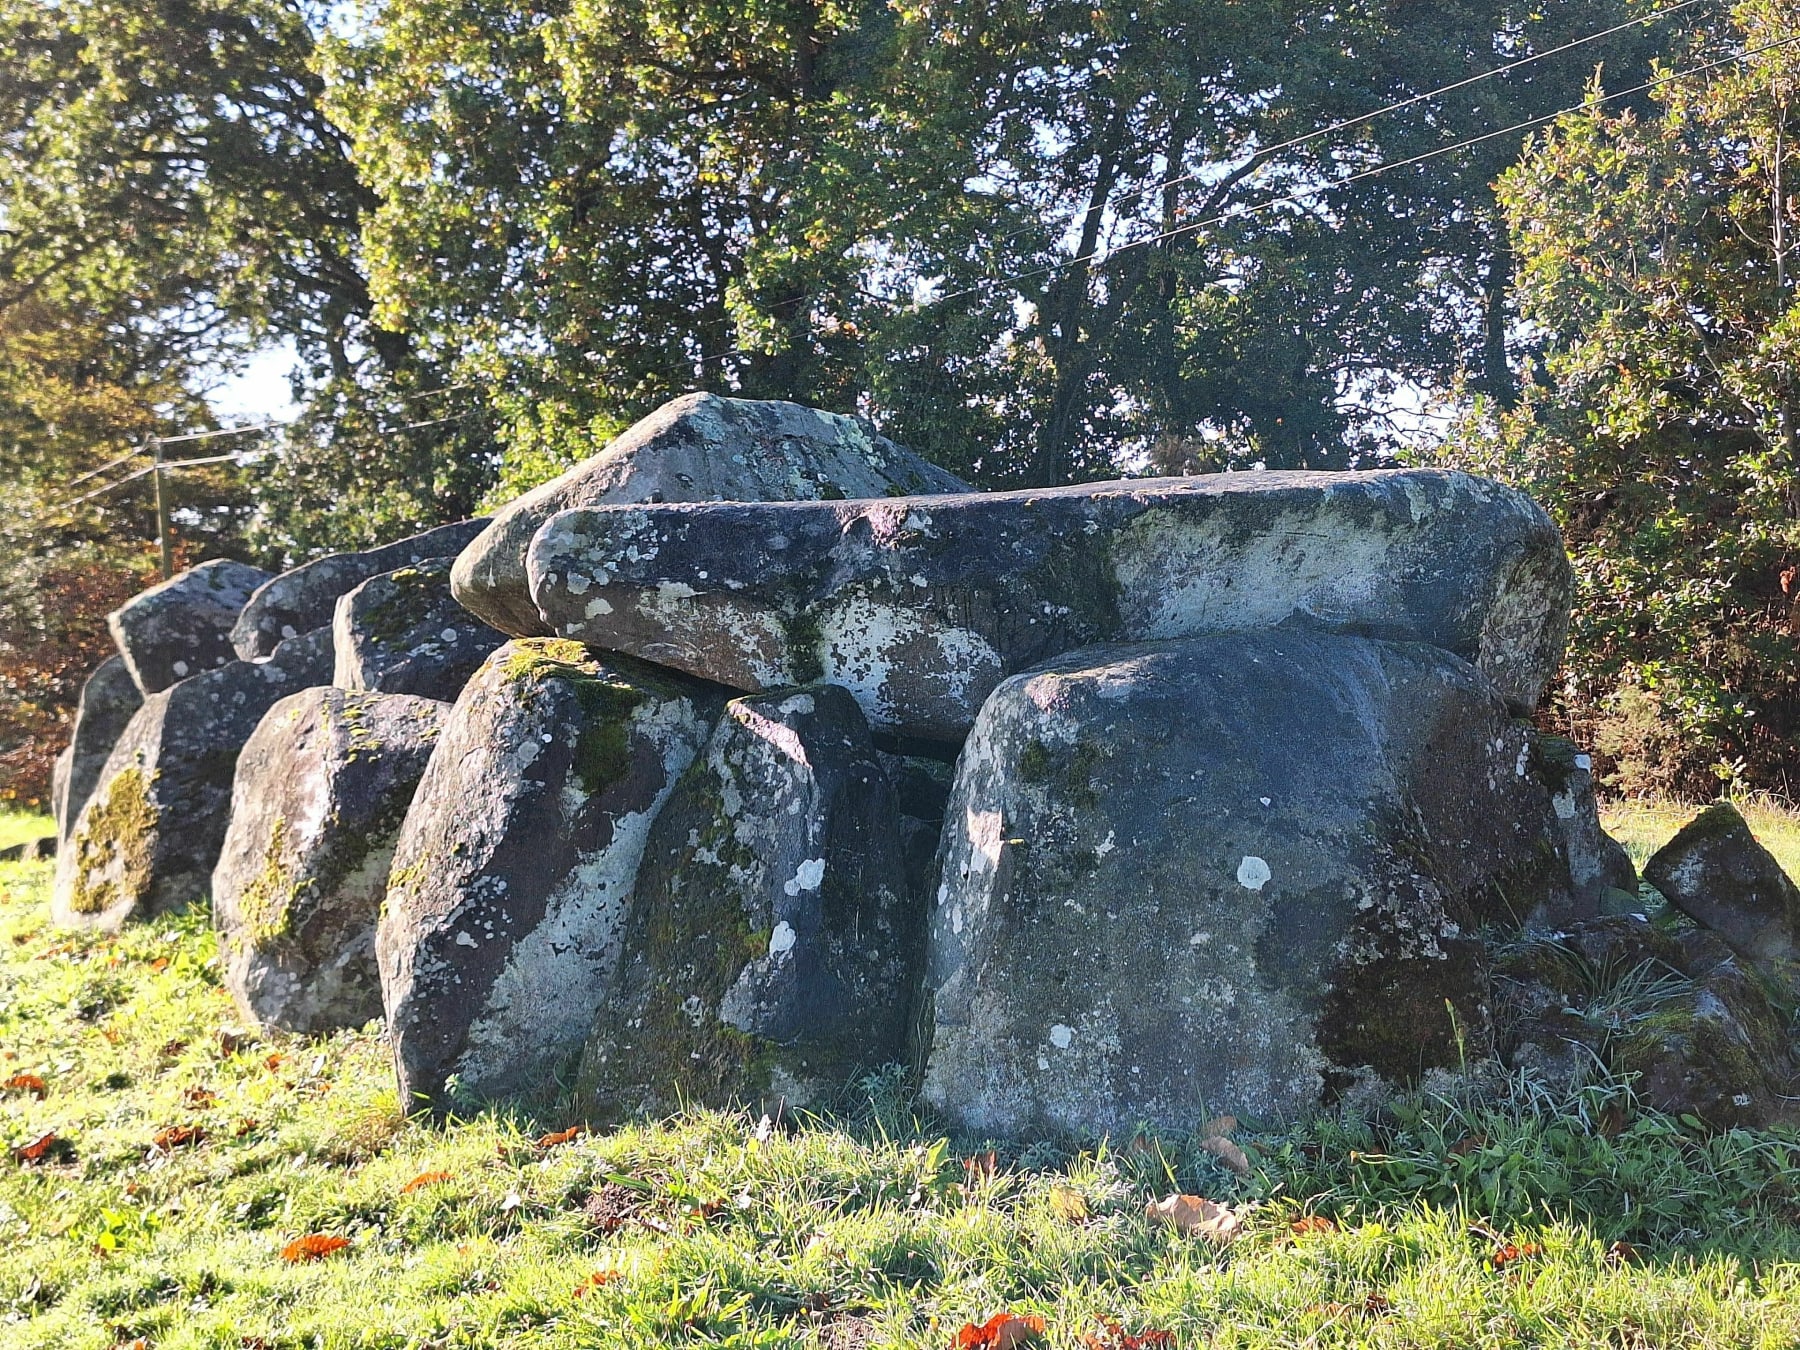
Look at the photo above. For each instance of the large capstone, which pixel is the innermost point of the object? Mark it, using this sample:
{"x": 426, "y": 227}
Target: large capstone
{"x": 108, "y": 700}
{"x": 773, "y": 948}
{"x": 516, "y": 865}
{"x": 1226, "y": 874}
{"x": 403, "y": 633}
{"x": 698, "y": 448}
{"x": 1716, "y": 873}
{"x": 921, "y": 607}
{"x": 183, "y": 626}
{"x": 301, "y": 600}
{"x": 149, "y": 837}
{"x": 322, "y": 787}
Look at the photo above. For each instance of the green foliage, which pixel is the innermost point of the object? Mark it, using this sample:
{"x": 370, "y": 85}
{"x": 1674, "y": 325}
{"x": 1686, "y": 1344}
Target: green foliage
{"x": 1661, "y": 427}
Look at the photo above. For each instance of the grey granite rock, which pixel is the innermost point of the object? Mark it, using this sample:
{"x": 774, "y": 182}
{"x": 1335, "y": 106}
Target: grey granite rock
{"x": 183, "y": 626}
{"x": 403, "y": 633}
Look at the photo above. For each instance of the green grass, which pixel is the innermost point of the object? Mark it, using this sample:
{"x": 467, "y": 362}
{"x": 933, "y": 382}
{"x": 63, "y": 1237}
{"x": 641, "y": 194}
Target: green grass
{"x": 865, "y": 1229}
{"x": 1644, "y": 826}
{"x": 16, "y": 827}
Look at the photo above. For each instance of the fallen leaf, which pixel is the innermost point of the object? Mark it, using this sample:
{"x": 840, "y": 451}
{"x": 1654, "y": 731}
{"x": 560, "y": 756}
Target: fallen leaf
{"x": 1469, "y": 1143}
{"x": 560, "y": 1137}
{"x": 1507, "y": 1253}
{"x": 112, "y": 1034}
{"x": 1112, "y": 1336}
{"x": 177, "y": 1135}
{"x": 597, "y": 1280}
{"x": 273, "y": 1062}
{"x": 1311, "y": 1223}
{"x": 423, "y": 1180}
{"x": 27, "y": 1082}
{"x": 1219, "y": 1127}
{"x": 980, "y": 1167}
{"x": 141, "y": 1343}
{"x": 1375, "y": 1305}
{"x": 1189, "y": 1214}
{"x": 173, "y": 1048}
{"x": 313, "y": 1247}
{"x": 1228, "y": 1153}
{"x": 1002, "y": 1331}
{"x": 1622, "y": 1253}
{"x": 231, "y": 1040}
{"x": 242, "y": 1128}
{"x": 160, "y": 964}
{"x": 44, "y": 1147}
{"x": 1068, "y": 1205}
{"x": 199, "y": 1098}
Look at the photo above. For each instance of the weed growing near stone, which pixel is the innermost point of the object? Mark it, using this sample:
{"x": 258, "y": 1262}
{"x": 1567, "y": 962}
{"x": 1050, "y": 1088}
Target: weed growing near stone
{"x": 190, "y": 1162}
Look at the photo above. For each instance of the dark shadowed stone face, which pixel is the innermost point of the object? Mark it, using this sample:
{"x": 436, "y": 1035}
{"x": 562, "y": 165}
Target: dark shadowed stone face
{"x": 921, "y": 606}
{"x": 403, "y": 633}
{"x": 1234, "y": 873}
{"x": 183, "y": 626}
{"x": 773, "y": 944}
{"x": 108, "y": 700}
{"x": 516, "y": 864}
{"x": 321, "y": 789}
{"x": 697, "y": 448}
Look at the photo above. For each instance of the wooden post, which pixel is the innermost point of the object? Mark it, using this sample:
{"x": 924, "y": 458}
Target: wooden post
{"x": 163, "y": 542}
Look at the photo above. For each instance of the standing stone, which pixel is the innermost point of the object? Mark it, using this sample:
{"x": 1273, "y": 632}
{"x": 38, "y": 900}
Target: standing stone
{"x": 148, "y": 838}
{"x": 108, "y": 700}
{"x": 700, "y": 447}
{"x": 772, "y": 948}
{"x": 1226, "y": 874}
{"x": 60, "y": 769}
{"x": 299, "y": 601}
{"x": 516, "y": 864}
{"x": 183, "y": 626}
{"x": 921, "y": 607}
{"x": 1602, "y": 879}
{"x": 1716, "y": 873}
{"x": 403, "y": 633}
{"x": 322, "y": 786}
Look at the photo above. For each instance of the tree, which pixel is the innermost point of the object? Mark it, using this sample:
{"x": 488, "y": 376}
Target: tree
{"x": 1656, "y": 269}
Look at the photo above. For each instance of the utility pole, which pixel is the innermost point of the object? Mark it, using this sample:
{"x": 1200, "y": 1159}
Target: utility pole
{"x": 163, "y": 542}
{"x": 1789, "y": 432}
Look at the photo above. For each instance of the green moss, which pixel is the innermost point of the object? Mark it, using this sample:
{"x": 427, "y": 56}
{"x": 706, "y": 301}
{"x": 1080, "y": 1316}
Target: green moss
{"x": 603, "y": 745}
{"x": 1553, "y": 760}
{"x": 267, "y": 904}
{"x": 830, "y": 492}
{"x": 806, "y": 663}
{"x": 114, "y": 846}
{"x": 1071, "y": 768}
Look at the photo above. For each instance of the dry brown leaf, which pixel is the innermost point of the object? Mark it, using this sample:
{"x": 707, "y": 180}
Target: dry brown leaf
{"x": 199, "y": 1098}
{"x": 598, "y": 1279}
{"x": 176, "y": 1136}
{"x": 1002, "y": 1331}
{"x": 313, "y": 1247}
{"x": 559, "y": 1137}
{"x": 1228, "y": 1153}
{"x": 1219, "y": 1127}
{"x": 1069, "y": 1205}
{"x": 1308, "y": 1224}
{"x": 27, "y": 1082}
{"x": 40, "y": 1148}
{"x": 1189, "y": 1214}
{"x": 423, "y": 1180}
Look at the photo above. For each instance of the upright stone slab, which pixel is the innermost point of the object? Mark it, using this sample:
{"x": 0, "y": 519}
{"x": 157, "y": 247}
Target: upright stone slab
{"x": 700, "y": 447}
{"x": 772, "y": 948}
{"x": 1602, "y": 879}
{"x": 1233, "y": 873}
{"x": 148, "y": 838}
{"x": 183, "y": 626}
{"x": 517, "y": 862}
{"x": 921, "y": 607}
{"x": 108, "y": 700}
{"x": 60, "y": 768}
{"x": 321, "y": 789}
{"x": 1716, "y": 873}
{"x": 301, "y": 600}
{"x": 403, "y": 633}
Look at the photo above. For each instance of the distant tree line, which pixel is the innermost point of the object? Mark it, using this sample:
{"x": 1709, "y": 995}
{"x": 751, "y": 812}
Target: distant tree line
{"x": 1038, "y": 241}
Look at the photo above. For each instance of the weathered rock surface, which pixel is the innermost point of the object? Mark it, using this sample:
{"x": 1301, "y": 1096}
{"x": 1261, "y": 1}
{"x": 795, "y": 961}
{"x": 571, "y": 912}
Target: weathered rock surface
{"x": 183, "y": 626}
{"x": 921, "y": 607}
{"x": 772, "y": 948}
{"x": 60, "y": 768}
{"x": 30, "y": 850}
{"x": 1617, "y": 995}
{"x": 148, "y": 838}
{"x": 321, "y": 789}
{"x": 516, "y": 865}
{"x": 1715, "y": 872}
{"x": 700, "y": 447}
{"x": 1602, "y": 878}
{"x": 1228, "y": 873}
{"x": 108, "y": 700}
{"x": 299, "y": 601}
{"x": 403, "y": 633}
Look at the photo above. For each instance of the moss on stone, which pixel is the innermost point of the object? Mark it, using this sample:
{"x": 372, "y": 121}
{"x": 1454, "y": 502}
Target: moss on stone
{"x": 1553, "y": 759}
{"x": 114, "y": 845}
{"x": 804, "y": 638}
{"x": 602, "y": 753}
{"x": 1070, "y": 768}
{"x": 267, "y": 904}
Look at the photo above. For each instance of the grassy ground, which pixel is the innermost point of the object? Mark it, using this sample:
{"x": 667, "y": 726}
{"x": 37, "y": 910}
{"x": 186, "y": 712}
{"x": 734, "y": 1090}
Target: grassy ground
{"x": 1467, "y": 1219}
{"x": 1645, "y": 826}
{"x": 16, "y": 827}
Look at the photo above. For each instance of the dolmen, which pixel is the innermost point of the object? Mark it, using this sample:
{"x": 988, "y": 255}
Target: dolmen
{"x": 756, "y": 753}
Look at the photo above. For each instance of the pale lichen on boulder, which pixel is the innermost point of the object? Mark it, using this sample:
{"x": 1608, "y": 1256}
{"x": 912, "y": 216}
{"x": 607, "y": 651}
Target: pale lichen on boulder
{"x": 516, "y": 864}
{"x": 920, "y": 607}
{"x": 183, "y": 626}
{"x": 772, "y": 949}
{"x": 699, "y": 447}
{"x": 404, "y": 633}
{"x": 322, "y": 787}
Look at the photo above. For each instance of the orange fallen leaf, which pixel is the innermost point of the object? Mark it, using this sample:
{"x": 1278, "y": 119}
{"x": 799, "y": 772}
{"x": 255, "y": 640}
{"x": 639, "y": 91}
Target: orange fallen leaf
{"x": 423, "y": 1180}
{"x": 141, "y": 1343}
{"x": 173, "y": 1048}
{"x": 176, "y": 1136}
{"x": 1507, "y": 1253}
{"x": 1189, "y": 1214}
{"x": 1622, "y": 1253}
{"x": 595, "y": 1281}
{"x": 1234, "y": 1158}
{"x": 160, "y": 964}
{"x": 199, "y": 1098}
{"x": 27, "y": 1082}
{"x": 40, "y": 1148}
{"x": 273, "y": 1062}
{"x": 981, "y": 1167}
{"x": 1068, "y": 1205}
{"x": 560, "y": 1137}
{"x": 1469, "y": 1143}
{"x": 112, "y": 1034}
{"x": 1311, "y": 1223}
{"x": 243, "y": 1127}
{"x": 1002, "y": 1331}
{"x": 313, "y": 1247}
{"x": 1112, "y": 1336}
